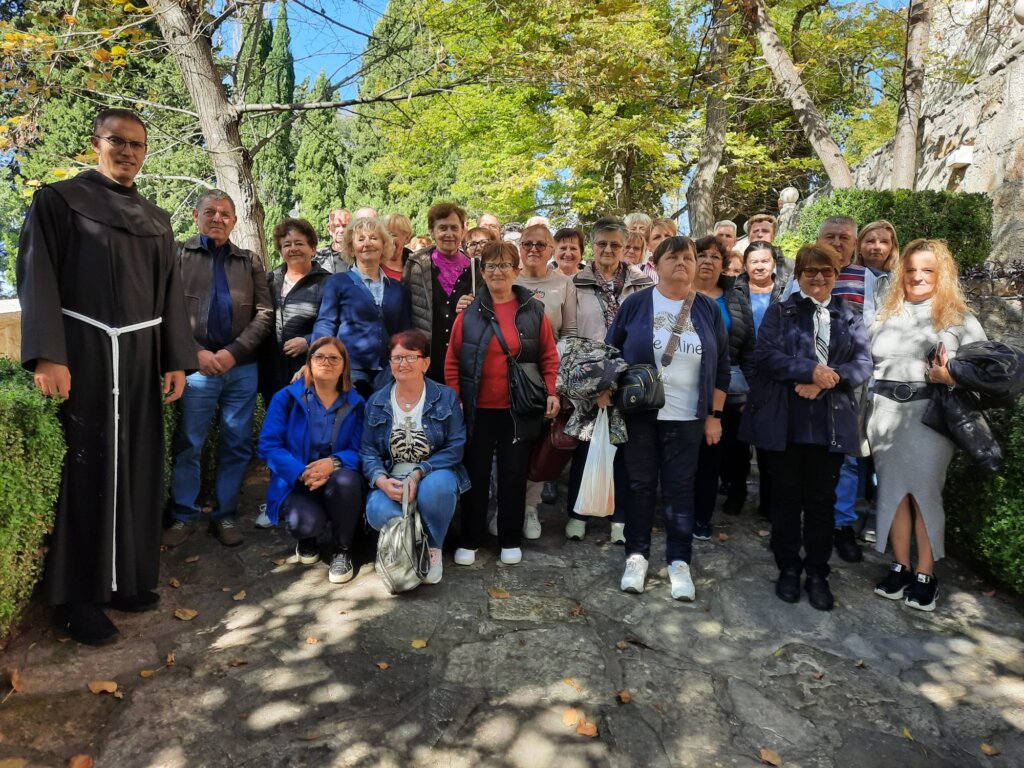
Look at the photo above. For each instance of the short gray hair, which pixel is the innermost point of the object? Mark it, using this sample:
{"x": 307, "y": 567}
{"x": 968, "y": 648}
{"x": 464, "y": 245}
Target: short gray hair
{"x": 637, "y": 217}
{"x": 725, "y": 223}
{"x": 215, "y": 194}
{"x": 838, "y": 221}
{"x": 607, "y": 224}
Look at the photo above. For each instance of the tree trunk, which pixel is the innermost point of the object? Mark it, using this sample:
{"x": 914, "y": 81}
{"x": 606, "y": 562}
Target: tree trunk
{"x": 700, "y": 194}
{"x": 181, "y": 25}
{"x": 788, "y": 79}
{"x": 625, "y": 159}
{"x": 904, "y": 150}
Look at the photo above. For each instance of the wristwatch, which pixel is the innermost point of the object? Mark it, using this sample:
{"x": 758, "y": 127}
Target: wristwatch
{"x": 717, "y": 414}
{"x": 336, "y": 462}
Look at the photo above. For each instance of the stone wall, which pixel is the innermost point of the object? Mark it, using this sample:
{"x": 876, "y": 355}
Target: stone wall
{"x": 10, "y": 329}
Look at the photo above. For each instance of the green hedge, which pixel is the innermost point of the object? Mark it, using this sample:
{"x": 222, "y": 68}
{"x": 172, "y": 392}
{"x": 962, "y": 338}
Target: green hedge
{"x": 985, "y": 516}
{"x": 962, "y": 219}
{"x": 30, "y": 470}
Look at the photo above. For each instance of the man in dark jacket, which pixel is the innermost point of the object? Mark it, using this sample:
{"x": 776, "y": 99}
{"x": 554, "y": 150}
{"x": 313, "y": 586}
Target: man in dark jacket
{"x": 332, "y": 257}
{"x": 229, "y": 306}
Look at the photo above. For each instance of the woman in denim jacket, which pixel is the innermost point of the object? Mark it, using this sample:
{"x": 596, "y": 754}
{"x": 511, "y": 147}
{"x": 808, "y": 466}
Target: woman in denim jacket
{"x": 414, "y": 429}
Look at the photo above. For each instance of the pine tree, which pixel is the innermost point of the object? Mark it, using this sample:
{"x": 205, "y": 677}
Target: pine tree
{"x": 318, "y": 180}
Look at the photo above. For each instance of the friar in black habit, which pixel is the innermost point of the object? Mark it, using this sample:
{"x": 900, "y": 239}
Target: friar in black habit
{"x": 104, "y": 328}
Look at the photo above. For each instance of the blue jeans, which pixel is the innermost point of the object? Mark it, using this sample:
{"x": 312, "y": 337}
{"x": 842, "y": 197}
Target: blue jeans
{"x": 667, "y": 450}
{"x": 436, "y": 497}
{"x": 846, "y": 493}
{"x": 235, "y": 393}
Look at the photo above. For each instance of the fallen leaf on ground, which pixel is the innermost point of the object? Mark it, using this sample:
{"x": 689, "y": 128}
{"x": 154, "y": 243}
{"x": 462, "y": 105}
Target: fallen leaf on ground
{"x": 859, "y": 664}
{"x": 988, "y": 749}
{"x": 769, "y": 757}
{"x": 80, "y": 761}
{"x": 174, "y": 583}
{"x": 498, "y": 593}
{"x": 906, "y": 734}
{"x": 521, "y": 642}
{"x": 577, "y": 611}
{"x": 382, "y": 665}
{"x": 419, "y": 643}
{"x": 147, "y": 673}
{"x": 310, "y": 736}
{"x": 587, "y": 728}
{"x": 225, "y": 589}
{"x": 763, "y": 533}
{"x": 723, "y": 537}
{"x": 102, "y": 686}
{"x": 819, "y": 675}
{"x": 238, "y": 596}
{"x": 311, "y": 640}
{"x": 660, "y": 708}
{"x": 192, "y": 559}
{"x": 572, "y": 684}
{"x": 622, "y": 645}
{"x": 237, "y": 662}
{"x": 570, "y": 717}
{"x": 185, "y": 614}
{"x": 989, "y": 593}
{"x": 118, "y": 694}
{"x": 624, "y": 697}
{"x": 170, "y": 660}
{"x": 14, "y": 762}
{"x": 15, "y": 680}
{"x": 280, "y": 560}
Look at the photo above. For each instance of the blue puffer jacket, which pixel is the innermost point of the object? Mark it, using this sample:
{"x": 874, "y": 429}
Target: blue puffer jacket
{"x": 285, "y": 440}
{"x": 442, "y": 422}
{"x": 784, "y": 356}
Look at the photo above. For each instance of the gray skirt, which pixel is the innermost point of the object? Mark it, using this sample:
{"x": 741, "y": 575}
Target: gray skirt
{"x": 910, "y": 458}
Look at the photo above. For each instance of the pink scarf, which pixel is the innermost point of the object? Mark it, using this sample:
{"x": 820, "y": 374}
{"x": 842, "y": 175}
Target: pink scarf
{"x": 449, "y": 268}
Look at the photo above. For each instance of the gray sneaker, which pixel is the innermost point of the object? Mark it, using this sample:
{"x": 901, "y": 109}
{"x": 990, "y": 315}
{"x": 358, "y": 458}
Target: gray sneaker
{"x": 341, "y": 569}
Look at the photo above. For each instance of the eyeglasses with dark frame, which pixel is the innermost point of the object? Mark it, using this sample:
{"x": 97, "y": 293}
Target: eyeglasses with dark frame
{"x": 118, "y": 143}
{"x": 328, "y": 360}
{"x": 825, "y": 272}
{"x": 474, "y": 244}
{"x": 494, "y": 266}
{"x": 409, "y": 359}
{"x": 528, "y": 245}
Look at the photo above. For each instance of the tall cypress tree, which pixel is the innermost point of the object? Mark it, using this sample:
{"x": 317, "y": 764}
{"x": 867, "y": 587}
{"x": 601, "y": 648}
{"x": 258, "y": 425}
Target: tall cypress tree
{"x": 272, "y": 164}
{"x": 318, "y": 180}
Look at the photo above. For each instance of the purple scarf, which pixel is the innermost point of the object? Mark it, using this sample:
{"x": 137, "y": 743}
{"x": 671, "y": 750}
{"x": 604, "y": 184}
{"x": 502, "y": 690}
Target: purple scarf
{"x": 449, "y": 268}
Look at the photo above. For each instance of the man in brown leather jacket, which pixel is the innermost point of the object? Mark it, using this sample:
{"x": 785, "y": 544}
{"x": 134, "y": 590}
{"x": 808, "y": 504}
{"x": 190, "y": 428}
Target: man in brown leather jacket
{"x": 229, "y": 306}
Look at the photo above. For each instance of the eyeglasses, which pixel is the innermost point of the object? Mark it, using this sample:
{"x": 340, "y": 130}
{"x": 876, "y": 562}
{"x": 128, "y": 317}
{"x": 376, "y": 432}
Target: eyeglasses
{"x": 529, "y": 245}
{"x": 409, "y": 359}
{"x": 477, "y": 244}
{"x": 118, "y": 143}
{"x": 606, "y": 246}
{"x": 825, "y": 272}
{"x": 329, "y": 360}
{"x": 494, "y": 266}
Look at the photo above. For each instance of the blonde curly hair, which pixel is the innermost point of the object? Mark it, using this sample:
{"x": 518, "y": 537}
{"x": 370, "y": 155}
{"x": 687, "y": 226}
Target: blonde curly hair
{"x": 948, "y": 304}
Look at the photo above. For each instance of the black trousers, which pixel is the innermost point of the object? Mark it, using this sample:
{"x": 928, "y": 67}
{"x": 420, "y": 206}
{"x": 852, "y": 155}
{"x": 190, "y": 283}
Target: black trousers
{"x": 339, "y": 501}
{"x": 493, "y": 433}
{"x": 804, "y": 481}
{"x": 735, "y": 464}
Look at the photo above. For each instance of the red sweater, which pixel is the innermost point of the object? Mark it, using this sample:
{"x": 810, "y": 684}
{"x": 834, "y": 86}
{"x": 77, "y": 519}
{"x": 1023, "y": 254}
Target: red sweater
{"x": 494, "y": 380}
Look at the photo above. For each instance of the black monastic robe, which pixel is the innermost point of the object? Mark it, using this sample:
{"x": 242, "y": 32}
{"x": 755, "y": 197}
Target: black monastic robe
{"x": 98, "y": 248}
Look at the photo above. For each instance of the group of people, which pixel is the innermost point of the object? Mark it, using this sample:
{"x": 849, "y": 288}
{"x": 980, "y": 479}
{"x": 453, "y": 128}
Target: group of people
{"x": 388, "y": 370}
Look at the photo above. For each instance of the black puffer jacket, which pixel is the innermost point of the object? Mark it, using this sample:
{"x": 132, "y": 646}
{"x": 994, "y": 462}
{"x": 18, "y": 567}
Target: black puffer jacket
{"x": 293, "y": 316}
{"x": 781, "y": 279}
{"x": 741, "y": 326}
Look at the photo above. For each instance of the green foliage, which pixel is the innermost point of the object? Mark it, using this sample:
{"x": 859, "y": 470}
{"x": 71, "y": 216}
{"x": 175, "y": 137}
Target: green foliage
{"x": 30, "y": 472}
{"x": 985, "y": 516}
{"x": 963, "y": 220}
{"x": 319, "y": 176}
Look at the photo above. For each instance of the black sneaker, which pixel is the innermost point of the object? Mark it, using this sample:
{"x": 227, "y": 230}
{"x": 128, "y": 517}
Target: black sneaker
{"x": 341, "y": 568}
{"x": 787, "y": 588}
{"x": 819, "y": 595}
{"x": 733, "y": 504}
{"x": 922, "y": 592}
{"x": 702, "y": 531}
{"x": 307, "y": 551}
{"x": 893, "y": 585}
{"x": 143, "y": 601}
{"x": 549, "y": 494}
{"x": 846, "y": 545}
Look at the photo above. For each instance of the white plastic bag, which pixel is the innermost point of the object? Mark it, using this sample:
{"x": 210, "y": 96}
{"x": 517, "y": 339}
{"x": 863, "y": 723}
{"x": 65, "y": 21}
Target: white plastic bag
{"x": 597, "y": 489}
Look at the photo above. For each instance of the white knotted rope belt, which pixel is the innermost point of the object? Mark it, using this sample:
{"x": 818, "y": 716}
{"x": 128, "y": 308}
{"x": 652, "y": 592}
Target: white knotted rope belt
{"x": 115, "y": 369}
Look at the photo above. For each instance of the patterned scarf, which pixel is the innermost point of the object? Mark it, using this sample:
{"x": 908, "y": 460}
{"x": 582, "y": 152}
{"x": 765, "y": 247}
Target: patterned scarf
{"x": 449, "y": 268}
{"x": 608, "y": 293}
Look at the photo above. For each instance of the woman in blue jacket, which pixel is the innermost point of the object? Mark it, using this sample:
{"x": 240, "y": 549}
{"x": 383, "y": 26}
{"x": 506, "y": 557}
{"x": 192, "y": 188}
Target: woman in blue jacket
{"x": 363, "y": 307}
{"x": 681, "y": 331}
{"x": 811, "y": 354}
{"x": 414, "y": 429}
{"x": 310, "y": 441}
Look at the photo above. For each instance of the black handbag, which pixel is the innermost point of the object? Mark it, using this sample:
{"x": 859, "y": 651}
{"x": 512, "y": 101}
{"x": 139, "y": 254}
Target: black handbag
{"x": 527, "y": 395}
{"x": 641, "y": 387}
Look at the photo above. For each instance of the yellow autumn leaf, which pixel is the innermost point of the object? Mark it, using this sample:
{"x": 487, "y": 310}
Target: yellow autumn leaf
{"x": 104, "y": 33}
{"x": 769, "y": 757}
{"x": 129, "y": 8}
{"x": 419, "y": 644}
{"x": 570, "y": 717}
{"x": 118, "y": 62}
{"x": 102, "y": 54}
{"x": 988, "y": 749}
{"x": 69, "y": 19}
{"x": 238, "y": 596}
{"x": 147, "y": 673}
{"x": 103, "y": 686}
{"x": 118, "y": 50}
{"x": 185, "y": 614}
{"x": 905, "y": 733}
{"x": 60, "y": 173}
{"x": 587, "y": 728}
{"x": 382, "y": 665}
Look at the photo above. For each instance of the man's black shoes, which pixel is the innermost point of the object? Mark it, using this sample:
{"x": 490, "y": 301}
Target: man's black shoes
{"x": 819, "y": 595}
{"x": 86, "y": 623}
{"x": 846, "y": 545}
{"x": 787, "y": 588}
{"x": 143, "y": 601}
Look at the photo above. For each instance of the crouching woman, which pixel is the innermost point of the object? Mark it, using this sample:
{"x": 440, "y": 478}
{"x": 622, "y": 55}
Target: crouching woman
{"x": 414, "y": 429}
{"x": 310, "y": 441}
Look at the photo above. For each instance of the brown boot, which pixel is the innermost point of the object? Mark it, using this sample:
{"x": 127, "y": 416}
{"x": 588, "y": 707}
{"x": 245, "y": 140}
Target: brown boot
{"x": 227, "y": 532}
{"x": 176, "y": 535}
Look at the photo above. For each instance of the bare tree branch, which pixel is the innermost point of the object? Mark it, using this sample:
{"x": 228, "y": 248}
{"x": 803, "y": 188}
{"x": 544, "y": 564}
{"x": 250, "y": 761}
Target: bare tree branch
{"x": 344, "y": 103}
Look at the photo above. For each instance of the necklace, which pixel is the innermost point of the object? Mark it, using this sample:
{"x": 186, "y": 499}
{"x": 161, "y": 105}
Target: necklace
{"x": 404, "y": 404}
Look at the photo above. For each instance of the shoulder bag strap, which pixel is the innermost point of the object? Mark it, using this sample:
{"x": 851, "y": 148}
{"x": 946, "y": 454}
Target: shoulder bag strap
{"x": 501, "y": 339}
{"x": 677, "y": 328}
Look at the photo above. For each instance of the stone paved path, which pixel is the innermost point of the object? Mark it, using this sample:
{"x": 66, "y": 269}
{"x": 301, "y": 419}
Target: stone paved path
{"x": 299, "y": 672}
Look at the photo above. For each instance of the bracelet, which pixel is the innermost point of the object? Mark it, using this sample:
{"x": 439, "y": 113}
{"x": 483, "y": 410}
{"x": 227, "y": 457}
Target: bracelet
{"x": 336, "y": 462}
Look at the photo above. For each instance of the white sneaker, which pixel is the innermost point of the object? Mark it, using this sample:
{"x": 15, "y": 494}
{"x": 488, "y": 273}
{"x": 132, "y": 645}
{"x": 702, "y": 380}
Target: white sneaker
{"x": 492, "y": 522}
{"x": 531, "y": 524}
{"x": 436, "y": 566}
{"x": 618, "y": 533}
{"x": 262, "y": 521}
{"x": 575, "y": 529}
{"x": 634, "y": 575}
{"x": 465, "y": 556}
{"x": 511, "y": 555}
{"x": 682, "y": 584}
